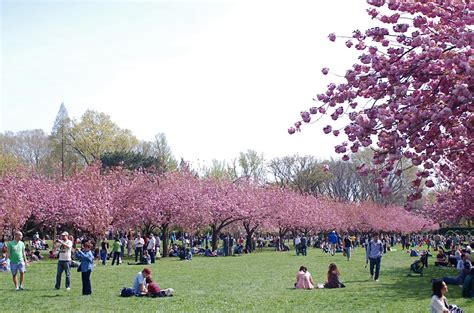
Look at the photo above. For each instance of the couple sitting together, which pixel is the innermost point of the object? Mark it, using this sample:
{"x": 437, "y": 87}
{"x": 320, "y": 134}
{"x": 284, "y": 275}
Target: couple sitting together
{"x": 144, "y": 285}
{"x": 304, "y": 280}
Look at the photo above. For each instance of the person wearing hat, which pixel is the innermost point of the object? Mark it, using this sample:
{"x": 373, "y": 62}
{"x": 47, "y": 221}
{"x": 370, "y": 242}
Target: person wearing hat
{"x": 139, "y": 284}
{"x": 64, "y": 262}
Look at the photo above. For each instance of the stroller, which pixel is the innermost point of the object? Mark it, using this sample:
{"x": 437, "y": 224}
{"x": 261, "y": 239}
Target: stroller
{"x": 418, "y": 266}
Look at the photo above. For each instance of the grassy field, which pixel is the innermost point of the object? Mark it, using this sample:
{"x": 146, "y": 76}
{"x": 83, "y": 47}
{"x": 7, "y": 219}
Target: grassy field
{"x": 261, "y": 282}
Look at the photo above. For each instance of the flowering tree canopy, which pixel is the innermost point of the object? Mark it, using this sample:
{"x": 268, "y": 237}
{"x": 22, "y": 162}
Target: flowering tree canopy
{"x": 411, "y": 94}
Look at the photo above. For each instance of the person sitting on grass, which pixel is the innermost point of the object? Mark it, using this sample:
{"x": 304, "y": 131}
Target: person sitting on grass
{"x": 439, "y": 303}
{"x": 182, "y": 253}
{"x": 144, "y": 260}
{"x": 188, "y": 255}
{"x": 238, "y": 250}
{"x": 209, "y": 253}
{"x": 304, "y": 280}
{"x": 4, "y": 264}
{"x": 468, "y": 286}
{"x": 441, "y": 259}
{"x": 333, "y": 277}
{"x": 155, "y": 291}
{"x": 464, "y": 267}
{"x": 139, "y": 284}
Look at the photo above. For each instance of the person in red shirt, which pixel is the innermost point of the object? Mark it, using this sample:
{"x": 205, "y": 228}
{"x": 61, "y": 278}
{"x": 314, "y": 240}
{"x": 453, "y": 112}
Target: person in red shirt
{"x": 152, "y": 287}
{"x": 155, "y": 291}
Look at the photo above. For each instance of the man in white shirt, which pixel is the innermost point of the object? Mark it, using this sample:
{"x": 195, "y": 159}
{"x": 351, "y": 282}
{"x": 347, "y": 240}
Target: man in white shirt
{"x": 138, "y": 244}
{"x": 151, "y": 247}
{"x": 297, "y": 244}
{"x": 64, "y": 262}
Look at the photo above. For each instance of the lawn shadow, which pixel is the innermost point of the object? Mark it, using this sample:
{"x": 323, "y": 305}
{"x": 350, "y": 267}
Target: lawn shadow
{"x": 51, "y": 296}
{"x": 403, "y": 283}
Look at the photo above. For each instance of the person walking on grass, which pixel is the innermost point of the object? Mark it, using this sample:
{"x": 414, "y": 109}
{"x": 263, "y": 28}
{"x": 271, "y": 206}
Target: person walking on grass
{"x": 348, "y": 247}
{"x": 64, "y": 261}
{"x": 86, "y": 258}
{"x": 374, "y": 253}
{"x": 16, "y": 254}
{"x": 333, "y": 240}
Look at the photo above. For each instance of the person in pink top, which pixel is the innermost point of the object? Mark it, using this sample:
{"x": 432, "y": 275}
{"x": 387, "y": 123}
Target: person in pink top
{"x": 304, "y": 280}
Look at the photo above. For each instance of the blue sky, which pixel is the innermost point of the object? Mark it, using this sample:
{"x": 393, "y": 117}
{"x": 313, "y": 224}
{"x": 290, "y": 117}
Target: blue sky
{"x": 216, "y": 77}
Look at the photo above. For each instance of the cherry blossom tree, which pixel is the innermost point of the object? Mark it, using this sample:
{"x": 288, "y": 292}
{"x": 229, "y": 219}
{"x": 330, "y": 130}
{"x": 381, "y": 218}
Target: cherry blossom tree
{"x": 15, "y": 207}
{"x": 410, "y": 95}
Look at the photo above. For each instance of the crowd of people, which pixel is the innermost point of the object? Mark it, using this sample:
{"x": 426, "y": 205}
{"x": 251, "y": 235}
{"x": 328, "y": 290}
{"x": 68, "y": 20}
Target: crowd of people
{"x": 451, "y": 251}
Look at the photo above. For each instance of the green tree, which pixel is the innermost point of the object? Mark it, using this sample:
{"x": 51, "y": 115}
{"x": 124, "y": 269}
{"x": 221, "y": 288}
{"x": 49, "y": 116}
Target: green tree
{"x": 252, "y": 165}
{"x": 131, "y": 161}
{"x": 95, "y": 134}
{"x": 31, "y": 147}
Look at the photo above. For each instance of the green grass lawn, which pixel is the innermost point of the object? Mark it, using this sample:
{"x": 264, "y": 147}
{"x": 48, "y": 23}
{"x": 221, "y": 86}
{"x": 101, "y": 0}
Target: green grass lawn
{"x": 261, "y": 282}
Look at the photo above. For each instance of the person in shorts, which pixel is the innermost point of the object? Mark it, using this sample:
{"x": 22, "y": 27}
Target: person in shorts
{"x": 16, "y": 254}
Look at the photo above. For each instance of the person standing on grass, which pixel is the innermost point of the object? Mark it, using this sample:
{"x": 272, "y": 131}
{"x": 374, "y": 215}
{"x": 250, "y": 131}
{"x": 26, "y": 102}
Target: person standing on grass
{"x": 64, "y": 261}
{"x": 374, "y": 253}
{"x": 333, "y": 240}
{"x": 151, "y": 247}
{"x": 116, "y": 250}
{"x": 138, "y": 244}
{"x": 124, "y": 242}
{"x": 129, "y": 244}
{"x": 16, "y": 254}
{"x": 86, "y": 258}
{"x": 104, "y": 250}
{"x": 347, "y": 247}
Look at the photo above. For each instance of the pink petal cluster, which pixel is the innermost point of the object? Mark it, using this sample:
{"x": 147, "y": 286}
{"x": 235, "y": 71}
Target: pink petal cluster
{"x": 417, "y": 80}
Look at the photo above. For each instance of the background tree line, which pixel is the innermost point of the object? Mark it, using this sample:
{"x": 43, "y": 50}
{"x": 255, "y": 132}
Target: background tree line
{"x": 74, "y": 144}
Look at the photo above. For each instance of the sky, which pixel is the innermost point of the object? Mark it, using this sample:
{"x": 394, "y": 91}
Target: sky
{"x": 217, "y": 77}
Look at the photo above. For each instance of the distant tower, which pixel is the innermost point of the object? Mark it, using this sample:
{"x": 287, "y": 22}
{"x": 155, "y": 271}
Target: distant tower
{"x": 59, "y": 131}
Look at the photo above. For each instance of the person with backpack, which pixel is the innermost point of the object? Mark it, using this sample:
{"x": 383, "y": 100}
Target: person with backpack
{"x": 374, "y": 253}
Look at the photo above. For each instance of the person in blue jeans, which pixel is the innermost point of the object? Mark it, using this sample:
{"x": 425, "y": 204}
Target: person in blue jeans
{"x": 86, "y": 258}
{"x": 374, "y": 253}
{"x": 104, "y": 247}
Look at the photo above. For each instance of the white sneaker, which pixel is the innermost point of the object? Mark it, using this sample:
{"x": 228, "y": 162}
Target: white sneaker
{"x": 21, "y": 287}
{"x": 376, "y": 280}
{"x": 68, "y": 288}
{"x": 17, "y": 288}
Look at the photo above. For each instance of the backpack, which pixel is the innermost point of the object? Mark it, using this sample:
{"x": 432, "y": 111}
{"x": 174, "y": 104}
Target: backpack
{"x": 126, "y": 292}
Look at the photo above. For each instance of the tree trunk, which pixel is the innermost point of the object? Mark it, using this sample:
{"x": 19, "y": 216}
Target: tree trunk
{"x": 215, "y": 233}
{"x": 164, "y": 230}
{"x": 248, "y": 242}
